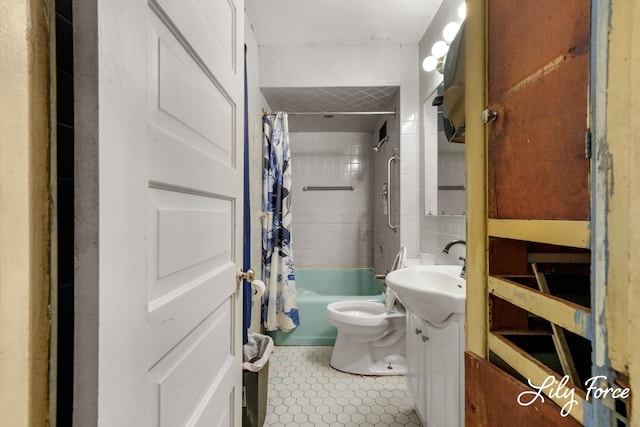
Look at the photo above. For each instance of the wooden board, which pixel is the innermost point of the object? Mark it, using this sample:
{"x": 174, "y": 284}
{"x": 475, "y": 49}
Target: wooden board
{"x": 538, "y": 71}
{"x": 506, "y": 257}
{"x": 491, "y": 400}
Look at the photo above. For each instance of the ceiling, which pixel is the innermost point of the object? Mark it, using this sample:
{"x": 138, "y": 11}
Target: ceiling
{"x": 332, "y": 99}
{"x": 299, "y": 22}
{"x": 325, "y": 22}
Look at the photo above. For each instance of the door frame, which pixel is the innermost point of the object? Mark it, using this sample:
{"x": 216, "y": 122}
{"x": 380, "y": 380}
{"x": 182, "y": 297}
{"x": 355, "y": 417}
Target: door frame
{"x": 27, "y": 191}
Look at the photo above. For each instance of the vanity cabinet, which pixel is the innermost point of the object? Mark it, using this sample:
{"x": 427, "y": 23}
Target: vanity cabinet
{"x": 435, "y": 370}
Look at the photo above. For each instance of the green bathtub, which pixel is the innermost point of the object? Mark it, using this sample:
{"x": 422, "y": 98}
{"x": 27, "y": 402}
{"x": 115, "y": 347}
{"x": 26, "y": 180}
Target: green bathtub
{"x": 318, "y": 287}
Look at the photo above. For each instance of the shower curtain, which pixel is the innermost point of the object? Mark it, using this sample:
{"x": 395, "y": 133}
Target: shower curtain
{"x": 280, "y": 306}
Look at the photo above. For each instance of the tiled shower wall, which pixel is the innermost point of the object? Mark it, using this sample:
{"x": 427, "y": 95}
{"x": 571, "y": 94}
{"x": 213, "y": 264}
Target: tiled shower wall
{"x": 386, "y": 242}
{"x": 331, "y": 228}
{"x": 375, "y": 64}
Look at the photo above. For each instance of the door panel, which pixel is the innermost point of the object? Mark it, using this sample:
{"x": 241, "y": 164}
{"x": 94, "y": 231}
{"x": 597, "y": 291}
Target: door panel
{"x": 199, "y": 368}
{"x": 193, "y": 119}
{"x": 191, "y": 267}
{"x": 538, "y": 66}
{"x": 194, "y": 186}
{"x": 211, "y": 29}
{"x": 169, "y": 96}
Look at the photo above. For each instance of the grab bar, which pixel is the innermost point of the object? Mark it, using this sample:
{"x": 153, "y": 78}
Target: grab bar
{"x": 393, "y": 158}
{"x": 328, "y": 188}
{"x": 451, "y": 187}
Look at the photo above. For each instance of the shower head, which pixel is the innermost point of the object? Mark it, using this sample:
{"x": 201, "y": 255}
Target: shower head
{"x": 382, "y": 141}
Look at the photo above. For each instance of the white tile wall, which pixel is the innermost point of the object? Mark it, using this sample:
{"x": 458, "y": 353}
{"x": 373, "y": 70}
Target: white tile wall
{"x": 386, "y": 242}
{"x": 375, "y": 64}
{"x": 437, "y": 231}
{"x": 331, "y": 228}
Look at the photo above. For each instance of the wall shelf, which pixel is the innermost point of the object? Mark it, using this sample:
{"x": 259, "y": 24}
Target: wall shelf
{"x": 555, "y": 232}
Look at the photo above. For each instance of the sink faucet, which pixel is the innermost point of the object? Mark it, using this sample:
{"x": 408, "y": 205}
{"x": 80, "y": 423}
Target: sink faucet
{"x": 450, "y": 244}
{"x": 463, "y": 272}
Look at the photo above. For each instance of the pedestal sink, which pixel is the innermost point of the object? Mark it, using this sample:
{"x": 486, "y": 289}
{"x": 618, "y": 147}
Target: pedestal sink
{"x": 432, "y": 292}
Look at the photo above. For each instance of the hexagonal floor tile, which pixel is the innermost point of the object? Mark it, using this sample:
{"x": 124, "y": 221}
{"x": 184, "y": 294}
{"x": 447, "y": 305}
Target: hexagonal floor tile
{"x": 304, "y": 390}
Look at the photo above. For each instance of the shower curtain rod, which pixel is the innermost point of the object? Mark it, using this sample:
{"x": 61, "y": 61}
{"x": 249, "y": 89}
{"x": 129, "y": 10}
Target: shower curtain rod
{"x": 338, "y": 113}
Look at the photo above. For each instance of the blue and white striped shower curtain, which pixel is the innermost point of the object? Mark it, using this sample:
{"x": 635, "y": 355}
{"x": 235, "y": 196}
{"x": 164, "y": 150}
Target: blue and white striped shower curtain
{"x": 280, "y": 306}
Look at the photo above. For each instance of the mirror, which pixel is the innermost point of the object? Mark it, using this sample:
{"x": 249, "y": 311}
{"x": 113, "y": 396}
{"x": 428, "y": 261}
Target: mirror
{"x": 444, "y": 176}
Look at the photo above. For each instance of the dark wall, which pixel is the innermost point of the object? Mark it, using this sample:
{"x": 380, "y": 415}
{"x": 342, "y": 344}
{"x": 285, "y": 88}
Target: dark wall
{"x": 65, "y": 211}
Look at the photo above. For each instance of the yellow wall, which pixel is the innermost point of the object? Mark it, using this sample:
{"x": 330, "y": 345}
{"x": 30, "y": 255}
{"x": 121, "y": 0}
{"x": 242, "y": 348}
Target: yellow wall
{"x": 24, "y": 211}
{"x": 475, "y": 155}
{"x": 623, "y": 139}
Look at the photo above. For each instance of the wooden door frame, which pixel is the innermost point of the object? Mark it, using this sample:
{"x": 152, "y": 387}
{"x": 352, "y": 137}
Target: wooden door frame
{"x": 26, "y": 194}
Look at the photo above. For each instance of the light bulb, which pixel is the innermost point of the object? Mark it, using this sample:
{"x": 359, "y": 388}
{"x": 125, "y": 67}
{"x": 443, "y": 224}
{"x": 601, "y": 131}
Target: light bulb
{"x": 462, "y": 11}
{"x": 429, "y": 64}
{"x": 439, "y": 49}
{"x": 450, "y": 31}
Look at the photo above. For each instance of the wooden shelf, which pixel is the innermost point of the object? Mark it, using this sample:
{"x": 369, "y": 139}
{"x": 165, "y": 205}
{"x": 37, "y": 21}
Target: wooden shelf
{"x": 568, "y": 315}
{"x": 565, "y": 233}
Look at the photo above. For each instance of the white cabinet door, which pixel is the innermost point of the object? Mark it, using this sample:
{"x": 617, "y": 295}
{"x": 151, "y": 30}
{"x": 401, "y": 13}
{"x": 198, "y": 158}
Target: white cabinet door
{"x": 417, "y": 347}
{"x": 414, "y": 350}
{"x": 164, "y": 80}
{"x": 443, "y": 374}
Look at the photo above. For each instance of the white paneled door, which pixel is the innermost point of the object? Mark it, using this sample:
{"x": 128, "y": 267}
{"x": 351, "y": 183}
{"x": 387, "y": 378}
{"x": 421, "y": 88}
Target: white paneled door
{"x": 169, "y": 87}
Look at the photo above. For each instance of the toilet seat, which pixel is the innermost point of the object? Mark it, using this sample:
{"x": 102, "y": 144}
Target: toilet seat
{"x": 357, "y": 313}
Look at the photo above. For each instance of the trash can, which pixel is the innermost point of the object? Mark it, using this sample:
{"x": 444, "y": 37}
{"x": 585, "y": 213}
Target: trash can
{"x": 255, "y": 378}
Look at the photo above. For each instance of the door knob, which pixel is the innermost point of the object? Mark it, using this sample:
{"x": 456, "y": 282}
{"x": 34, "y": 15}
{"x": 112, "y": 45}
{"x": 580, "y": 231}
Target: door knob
{"x": 249, "y": 275}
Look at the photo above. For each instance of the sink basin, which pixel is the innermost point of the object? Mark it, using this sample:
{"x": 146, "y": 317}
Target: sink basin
{"x": 432, "y": 292}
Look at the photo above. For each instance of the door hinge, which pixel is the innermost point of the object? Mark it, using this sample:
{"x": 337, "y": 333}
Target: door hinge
{"x": 587, "y": 144}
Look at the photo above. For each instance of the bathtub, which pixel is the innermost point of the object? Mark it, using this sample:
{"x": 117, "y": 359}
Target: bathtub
{"x": 318, "y": 287}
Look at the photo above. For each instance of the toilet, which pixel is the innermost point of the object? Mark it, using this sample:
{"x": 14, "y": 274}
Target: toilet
{"x": 371, "y": 337}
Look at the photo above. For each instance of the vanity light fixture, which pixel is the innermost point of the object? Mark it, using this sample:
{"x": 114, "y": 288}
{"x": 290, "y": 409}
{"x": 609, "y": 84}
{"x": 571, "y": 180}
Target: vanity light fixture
{"x": 450, "y": 31}
{"x": 462, "y": 11}
{"x": 430, "y": 63}
{"x": 440, "y": 48}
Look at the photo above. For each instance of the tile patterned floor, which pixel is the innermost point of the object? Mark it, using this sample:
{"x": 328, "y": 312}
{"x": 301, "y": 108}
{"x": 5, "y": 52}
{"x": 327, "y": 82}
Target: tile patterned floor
{"x": 305, "y": 391}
